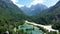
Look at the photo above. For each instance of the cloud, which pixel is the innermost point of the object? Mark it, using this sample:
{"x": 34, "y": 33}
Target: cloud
{"x": 34, "y": 2}
{"x": 15, "y": 2}
{"x": 20, "y": 5}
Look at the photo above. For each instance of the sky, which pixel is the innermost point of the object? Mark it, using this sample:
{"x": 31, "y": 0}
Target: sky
{"x": 29, "y": 3}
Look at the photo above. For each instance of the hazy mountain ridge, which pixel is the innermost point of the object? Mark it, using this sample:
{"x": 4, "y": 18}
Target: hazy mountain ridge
{"x": 34, "y": 9}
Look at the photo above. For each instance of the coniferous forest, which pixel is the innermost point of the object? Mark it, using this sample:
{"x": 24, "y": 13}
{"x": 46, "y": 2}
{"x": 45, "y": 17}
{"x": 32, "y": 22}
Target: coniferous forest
{"x": 15, "y": 20}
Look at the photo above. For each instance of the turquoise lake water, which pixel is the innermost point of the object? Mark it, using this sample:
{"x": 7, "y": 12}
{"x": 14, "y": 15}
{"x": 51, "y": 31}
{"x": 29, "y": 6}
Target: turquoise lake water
{"x": 31, "y": 29}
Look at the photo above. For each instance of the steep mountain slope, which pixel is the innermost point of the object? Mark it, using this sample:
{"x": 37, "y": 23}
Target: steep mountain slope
{"x": 8, "y": 4}
{"x": 34, "y": 9}
{"x": 52, "y": 14}
{"x": 54, "y": 9}
{"x": 10, "y": 13}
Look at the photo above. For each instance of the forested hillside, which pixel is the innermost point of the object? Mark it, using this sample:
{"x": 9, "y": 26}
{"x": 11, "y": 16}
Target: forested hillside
{"x": 48, "y": 16}
{"x": 10, "y": 15}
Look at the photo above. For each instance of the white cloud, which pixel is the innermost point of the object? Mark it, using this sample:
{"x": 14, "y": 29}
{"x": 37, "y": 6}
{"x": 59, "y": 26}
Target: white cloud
{"x": 15, "y": 2}
{"x": 34, "y": 2}
{"x": 20, "y": 5}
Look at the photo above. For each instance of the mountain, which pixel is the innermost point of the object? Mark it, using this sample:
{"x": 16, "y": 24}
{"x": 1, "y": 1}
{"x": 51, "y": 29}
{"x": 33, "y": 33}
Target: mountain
{"x": 8, "y": 4}
{"x": 34, "y": 9}
{"x": 48, "y": 16}
{"x": 10, "y": 14}
{"x": 26, "y": 10}
{"x": 54, "y": 10}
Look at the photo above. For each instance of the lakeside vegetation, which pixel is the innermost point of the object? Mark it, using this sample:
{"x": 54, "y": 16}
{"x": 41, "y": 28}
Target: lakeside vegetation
{"x": 11, "y": 17}
{"x": 21, "y": 31}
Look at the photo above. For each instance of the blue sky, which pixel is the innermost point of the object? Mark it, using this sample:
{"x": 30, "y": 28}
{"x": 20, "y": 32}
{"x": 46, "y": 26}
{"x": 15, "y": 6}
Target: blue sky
{"x": 28, "y": 3}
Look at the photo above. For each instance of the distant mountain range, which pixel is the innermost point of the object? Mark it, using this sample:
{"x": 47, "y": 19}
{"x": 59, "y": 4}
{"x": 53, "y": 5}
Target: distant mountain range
{"x": 49, "y": 16}
{"x": 34, "y": 9}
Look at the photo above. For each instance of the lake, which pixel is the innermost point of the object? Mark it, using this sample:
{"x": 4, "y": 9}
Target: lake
{"x": 30, "y": 29}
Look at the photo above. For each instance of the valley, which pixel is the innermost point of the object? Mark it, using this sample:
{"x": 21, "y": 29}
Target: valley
{"x": 37, "y": 19}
